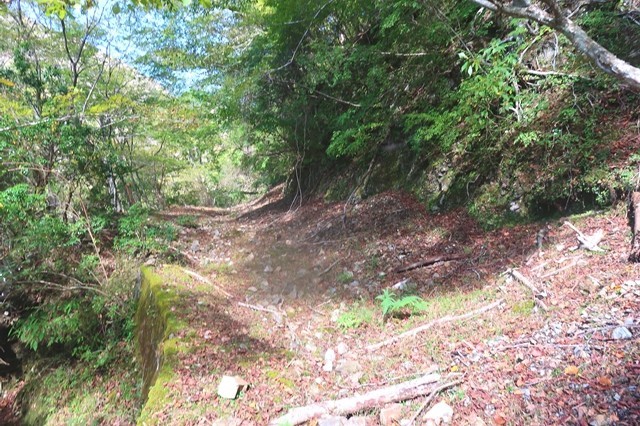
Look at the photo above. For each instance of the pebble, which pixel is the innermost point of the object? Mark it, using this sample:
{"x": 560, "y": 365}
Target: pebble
{"x": 391, "y": 414}
{"x": 329, "y": 359}
{"x": 342, "y": 348}
{"x": 335, "y": 315}
{"x": 441, "y": 413}
{"x": 620, "y": 333}
{"x": 333, "y": 421}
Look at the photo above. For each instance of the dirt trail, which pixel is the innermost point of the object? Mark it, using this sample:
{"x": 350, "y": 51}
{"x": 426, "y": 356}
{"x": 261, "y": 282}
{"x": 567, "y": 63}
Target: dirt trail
{"x": 303, "y": 282}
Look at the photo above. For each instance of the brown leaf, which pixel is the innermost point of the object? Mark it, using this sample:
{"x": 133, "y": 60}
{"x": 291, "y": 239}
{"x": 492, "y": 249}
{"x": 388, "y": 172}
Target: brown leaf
{"x": 571, "y": 370}
{"x": 604, "y": 381}
{"x": 499, "y": 419}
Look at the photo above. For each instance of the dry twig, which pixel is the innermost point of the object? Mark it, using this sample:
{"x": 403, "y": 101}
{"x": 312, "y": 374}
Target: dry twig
{"x": 329, "y": 268}
{"x": 430, "y": 261}
{"x": 433, "y": 394}
{"x": 527, "y": 283}
{"x": 206, "y": 281}
{"x": 259, "y": 308}
{"x": 433, "y": 323}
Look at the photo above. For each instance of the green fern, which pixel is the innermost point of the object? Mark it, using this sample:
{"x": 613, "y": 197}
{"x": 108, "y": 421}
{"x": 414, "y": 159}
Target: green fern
{"x": 392, "y": 304}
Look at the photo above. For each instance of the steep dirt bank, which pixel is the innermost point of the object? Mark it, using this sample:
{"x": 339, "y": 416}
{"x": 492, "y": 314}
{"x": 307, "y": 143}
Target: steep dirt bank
{"x": 269, "y": 292}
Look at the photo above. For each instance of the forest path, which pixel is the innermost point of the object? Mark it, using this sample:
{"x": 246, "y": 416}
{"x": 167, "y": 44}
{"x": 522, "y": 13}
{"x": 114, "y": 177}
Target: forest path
{"x": 299, "y": 287}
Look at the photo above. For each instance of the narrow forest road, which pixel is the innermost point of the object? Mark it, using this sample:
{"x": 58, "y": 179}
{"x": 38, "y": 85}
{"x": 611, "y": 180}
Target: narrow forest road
{"x": 286, "y": 299}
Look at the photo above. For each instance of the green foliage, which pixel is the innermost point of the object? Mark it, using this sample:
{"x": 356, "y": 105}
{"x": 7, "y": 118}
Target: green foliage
{"x": 139, "y": 235}
{"x": 88, "y": 326}
{"x": 188, "y": 221}
{"x": 345, "y": 277}
{"x": 392, "y": 304}
{"x": 355, "y": 317}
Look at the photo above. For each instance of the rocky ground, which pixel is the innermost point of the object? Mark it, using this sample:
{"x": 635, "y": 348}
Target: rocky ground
{"x": 287, "y": 299}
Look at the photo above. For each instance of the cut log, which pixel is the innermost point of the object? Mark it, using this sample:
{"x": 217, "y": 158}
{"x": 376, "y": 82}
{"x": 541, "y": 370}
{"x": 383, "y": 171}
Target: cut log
{"x": 342, "y": 407}
{"x": 430, "y": 261}
{"x": 634, "y": 208}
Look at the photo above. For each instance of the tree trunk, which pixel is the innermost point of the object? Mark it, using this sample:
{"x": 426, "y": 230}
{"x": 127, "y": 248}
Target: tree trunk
{"x": 634, "y": 209}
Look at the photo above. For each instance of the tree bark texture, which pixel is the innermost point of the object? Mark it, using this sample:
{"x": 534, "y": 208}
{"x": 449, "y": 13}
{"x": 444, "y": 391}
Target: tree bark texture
{"x": 634, "y": 208}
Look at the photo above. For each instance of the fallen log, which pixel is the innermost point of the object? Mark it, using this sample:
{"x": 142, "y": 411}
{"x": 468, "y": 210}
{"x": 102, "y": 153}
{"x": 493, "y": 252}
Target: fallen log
{"x": 433, "y": 323}
{"x": 634, "y": 210}
{"x": 342, "y": 407}
{"x": 430, "y": 261}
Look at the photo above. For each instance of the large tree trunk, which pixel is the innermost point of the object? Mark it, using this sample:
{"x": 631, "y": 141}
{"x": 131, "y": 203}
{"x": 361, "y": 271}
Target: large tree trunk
{"x": 634, "y": 208}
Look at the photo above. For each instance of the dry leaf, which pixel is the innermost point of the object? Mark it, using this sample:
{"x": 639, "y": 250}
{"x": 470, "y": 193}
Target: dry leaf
{"x": 571, "y": 370}
{"x": 604, "y": 381}
{"x": 499, "y": 419}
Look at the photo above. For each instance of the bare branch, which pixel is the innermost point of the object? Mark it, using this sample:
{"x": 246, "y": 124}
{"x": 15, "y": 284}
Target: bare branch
{"x": 601, "y": 57}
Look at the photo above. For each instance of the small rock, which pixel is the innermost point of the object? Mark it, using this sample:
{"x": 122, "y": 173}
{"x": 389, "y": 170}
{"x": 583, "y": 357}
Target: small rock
{"x": 250, "y": 257}
{"x": 314, "y": 389}
{"x": 342, "y": 348}
{"x": 333, "y": 421}
{"x": 348, "y": 367}
{"x": 231, "y": 386}
{"x": 599, "y": 420}
{"x": 335, "y": 315}
{"x": 476, "y": 421}
{"x": 441, "y": 413}
{"x": 252, "y": 289}
{"x": 277, "y": 317}
{"x": 391, "y": 414}
{"x": 293, "y": 293}
{"x": 354, "y": 379}
{"x": 195, "y": 246}
{"x": 329, "y": 359}
{"x": 620, "y": 333}
{"x": 360, "y": 421}
{"x": 268, "y": 269}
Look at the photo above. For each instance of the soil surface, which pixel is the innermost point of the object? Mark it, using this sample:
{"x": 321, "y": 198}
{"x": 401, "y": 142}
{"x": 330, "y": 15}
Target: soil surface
{"x": 302, "y": 287}
{"x": 289, "y": 299}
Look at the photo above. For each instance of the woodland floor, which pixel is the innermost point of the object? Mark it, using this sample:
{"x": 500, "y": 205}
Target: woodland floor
{"x": 321, "y": 274}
